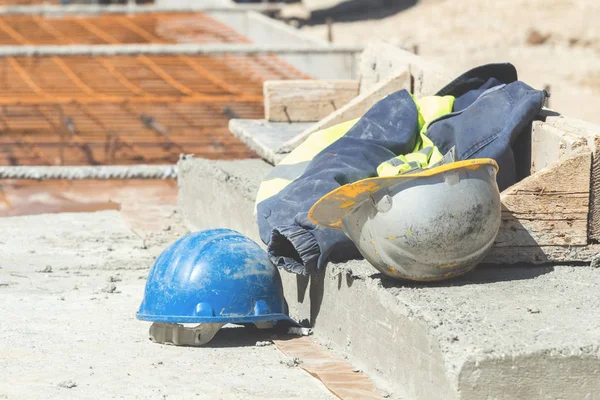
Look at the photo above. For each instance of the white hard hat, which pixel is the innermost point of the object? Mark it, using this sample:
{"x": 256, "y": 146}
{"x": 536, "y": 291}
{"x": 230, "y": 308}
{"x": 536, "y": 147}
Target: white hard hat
{"x": 430, "y": 225}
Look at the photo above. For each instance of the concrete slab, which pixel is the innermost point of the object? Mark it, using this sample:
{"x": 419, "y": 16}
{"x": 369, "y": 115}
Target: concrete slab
{"x": 265, "y": 137}
{"x": 63, "y": 337}
{"x": 496, "y": 333}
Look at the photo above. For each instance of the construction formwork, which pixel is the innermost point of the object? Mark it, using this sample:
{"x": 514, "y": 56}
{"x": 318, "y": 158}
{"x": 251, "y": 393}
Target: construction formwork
{"x": 134, "y": 84}
{"x": 126, "y": 109}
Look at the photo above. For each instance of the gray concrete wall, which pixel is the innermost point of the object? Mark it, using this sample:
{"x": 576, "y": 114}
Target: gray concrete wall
{"x": 207, "y": 201}
{"x": 263, "y": 30}
{"x": 496, "y": 333}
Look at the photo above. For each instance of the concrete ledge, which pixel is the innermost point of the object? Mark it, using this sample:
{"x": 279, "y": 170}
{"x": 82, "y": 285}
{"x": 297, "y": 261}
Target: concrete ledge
{"x": 216, "y": 194}
{"x": 265, "y": 137}
{"x": 495, "y": 333}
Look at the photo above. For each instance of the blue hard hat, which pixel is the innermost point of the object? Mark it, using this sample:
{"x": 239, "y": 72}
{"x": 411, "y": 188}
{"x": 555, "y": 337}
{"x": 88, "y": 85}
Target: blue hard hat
{"x": 213, "y": 276}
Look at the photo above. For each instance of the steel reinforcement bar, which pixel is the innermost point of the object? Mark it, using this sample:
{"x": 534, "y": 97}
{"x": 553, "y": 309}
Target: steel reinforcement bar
{"x": 41, "y": 173}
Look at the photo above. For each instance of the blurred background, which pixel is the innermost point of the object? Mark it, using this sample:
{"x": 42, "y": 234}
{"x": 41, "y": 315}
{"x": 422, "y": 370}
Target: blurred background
{"x": 554, "y": 44}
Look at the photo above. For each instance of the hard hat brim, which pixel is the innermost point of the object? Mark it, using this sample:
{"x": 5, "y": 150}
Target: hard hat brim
{"x": 330, "y": 209}
{"x": 184, "y": 319}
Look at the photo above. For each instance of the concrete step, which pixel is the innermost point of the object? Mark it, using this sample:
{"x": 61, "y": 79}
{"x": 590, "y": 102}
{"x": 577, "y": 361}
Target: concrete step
{"x": 498, "y": 332}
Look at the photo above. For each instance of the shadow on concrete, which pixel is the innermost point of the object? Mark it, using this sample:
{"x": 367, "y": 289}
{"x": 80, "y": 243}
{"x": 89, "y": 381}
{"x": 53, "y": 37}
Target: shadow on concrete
{"x": 522, "y": 154}
{"x": 545, "y": 113}
{"x": 482, "y": 274}
{"x": 246, "y": 336}
{"x": 358, "y": 10}
{"x": 511, "y": 232}
{"x": 315, "y": 287}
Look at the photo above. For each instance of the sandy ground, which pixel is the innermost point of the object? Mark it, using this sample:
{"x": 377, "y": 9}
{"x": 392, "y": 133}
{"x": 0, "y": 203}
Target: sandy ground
{"x": 62, "y": 336}
{"x": 555, "y": 42}
{"x": 143, "y": 203}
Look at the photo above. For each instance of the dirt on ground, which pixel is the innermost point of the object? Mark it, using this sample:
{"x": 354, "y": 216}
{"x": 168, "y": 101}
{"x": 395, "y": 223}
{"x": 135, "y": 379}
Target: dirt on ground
{"x": 143, "y": 203}
{"x": 70, "y": 285}
{"x": 551, "y": 42}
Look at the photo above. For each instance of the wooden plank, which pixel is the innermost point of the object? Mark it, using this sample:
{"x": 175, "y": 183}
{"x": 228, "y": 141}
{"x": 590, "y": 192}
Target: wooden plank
{"x": 565, "y": 232}
{"x": 383, "y": 69}
{"x": 551, "y": 143}
{"x": 354, "y": 109}
{"x": 336, "y": 373}
{"x": 306, "y": 100}
{"x": 544, "y": 212}
{"x": 380, "y": 61}
{"x": 558, "y": 137}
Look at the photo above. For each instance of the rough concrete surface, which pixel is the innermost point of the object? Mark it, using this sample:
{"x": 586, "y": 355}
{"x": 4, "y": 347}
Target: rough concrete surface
{"x": 518, "y": 332}
{"x": 266, "y": 137}
{"x": 70, "y": 285}
{"x": 214, "y": 194}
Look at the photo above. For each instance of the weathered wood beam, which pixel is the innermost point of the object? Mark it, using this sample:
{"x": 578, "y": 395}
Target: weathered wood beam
{"x": 558, "y": 137}
{"x": 383, "y": 69}
{"x": 545, "y": 216}
{"x": 306, "y": 100}
{"x": 355, "y": 108}
{"x": 379, "y": 61}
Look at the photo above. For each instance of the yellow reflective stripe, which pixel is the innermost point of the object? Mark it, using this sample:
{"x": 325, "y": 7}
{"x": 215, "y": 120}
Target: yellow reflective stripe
{"x": 404, "y": 163}
{"x": 436, "y": 156}
{"x": 292, "y": 166}
{"x": 433, "y": 107}
{"x": 420, "y": 158}
{"x": 316, "y": 142}
{"x": 271, "y": 188}
{"x": 392, "y": 167}
{"x": 425, "y": 152}
{"x": 295, "y": 163}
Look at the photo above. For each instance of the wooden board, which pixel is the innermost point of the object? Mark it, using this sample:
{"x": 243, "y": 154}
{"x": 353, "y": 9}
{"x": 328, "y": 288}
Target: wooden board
{"x": 383, "y": 69}
{"x": 380, "y": 61}
{"x": 556, "y": 139}
{"x": 545, "y": 212}
{"x": 559, "y": 137}
{"x": 336, "y": 373}
{"x": 306, "y": 100}
{"x": 354, "y": 109}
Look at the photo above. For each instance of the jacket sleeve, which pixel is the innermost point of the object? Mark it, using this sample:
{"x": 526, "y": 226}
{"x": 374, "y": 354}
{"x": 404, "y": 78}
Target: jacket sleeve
{"x": 389, "y": 128}
{"x": 490, "y": 126}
